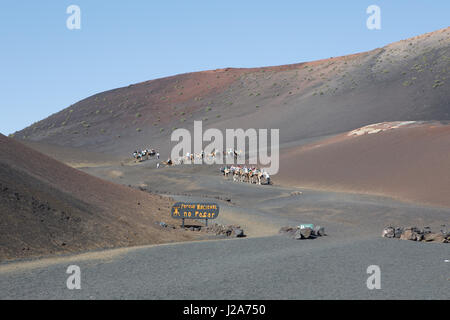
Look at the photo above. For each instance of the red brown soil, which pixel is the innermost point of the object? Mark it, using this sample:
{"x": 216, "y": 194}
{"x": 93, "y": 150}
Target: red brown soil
{"x": 411, "y": 163}
{"x": 47, "y": 207}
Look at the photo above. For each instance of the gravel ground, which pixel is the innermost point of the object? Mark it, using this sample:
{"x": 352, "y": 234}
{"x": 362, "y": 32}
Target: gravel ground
{"x": 264, "y": 265}
{"x": 273, "y": 267}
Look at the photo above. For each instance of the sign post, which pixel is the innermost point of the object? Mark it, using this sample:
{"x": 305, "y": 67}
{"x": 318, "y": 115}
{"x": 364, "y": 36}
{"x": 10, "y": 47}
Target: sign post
{"x": 191, "y": 210}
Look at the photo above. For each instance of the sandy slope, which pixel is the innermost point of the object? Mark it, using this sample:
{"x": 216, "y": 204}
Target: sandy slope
{"x": 411, "y": 162}
{"x": 47, "y": 207}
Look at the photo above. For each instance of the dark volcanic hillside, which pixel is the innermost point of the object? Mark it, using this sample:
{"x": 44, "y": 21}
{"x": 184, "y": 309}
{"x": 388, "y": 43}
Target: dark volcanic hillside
{"x": 47, "y": 207}
{"x": 407, "y": 80}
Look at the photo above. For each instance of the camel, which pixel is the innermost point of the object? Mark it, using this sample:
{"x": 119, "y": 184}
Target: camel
{"x": 249, "y": 175}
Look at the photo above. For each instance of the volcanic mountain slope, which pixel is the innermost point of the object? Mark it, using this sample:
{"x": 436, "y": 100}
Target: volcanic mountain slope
{"x": 407, "y": 160}
{"x": 47, "y": 207}
{"x": 406, "y": 80}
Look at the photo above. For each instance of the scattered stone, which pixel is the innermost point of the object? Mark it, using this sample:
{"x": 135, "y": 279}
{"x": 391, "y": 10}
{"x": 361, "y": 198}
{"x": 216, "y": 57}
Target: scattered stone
{"x": 238, "y": 233}
{"x": 306, "y": 233}
{"x": 319, "y": 231}
{"x": 388, "y": 232}
{"x": 298, "y": 235}
{"x": 434, "y": 237}
{"x": 303, "y": 232}
{"x": 229, "y": 231}
{"x": 412, "y": 233}
{"x": 398, "y": 232}
{"x": 416, "y": 234}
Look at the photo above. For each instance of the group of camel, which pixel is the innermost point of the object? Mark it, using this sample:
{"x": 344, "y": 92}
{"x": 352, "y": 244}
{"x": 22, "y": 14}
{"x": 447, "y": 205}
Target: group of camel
{"x": 239, "y": 173}
{"x": 244, "y": 174}
{"x": 191, "y": 157}
{"x": 142, "y": 155}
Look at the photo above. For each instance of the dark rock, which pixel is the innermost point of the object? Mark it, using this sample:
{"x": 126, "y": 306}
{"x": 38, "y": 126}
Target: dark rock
{"x": 408, "y": 235}
{"x": 238, "y": 233}
{"x": 412, "y": 233}
{"x": 435, "y": 237}
{"x": 398, "y": 232}
{"x": 388, "y": 232}
{"x": 319, "y": 231}
{"x": 298, "y": 235}
{"x": 306, "y": 233}
{"x": 231, "y": 230}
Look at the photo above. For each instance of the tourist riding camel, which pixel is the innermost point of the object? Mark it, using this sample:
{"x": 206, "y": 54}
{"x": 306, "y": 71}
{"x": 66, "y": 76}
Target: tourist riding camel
{"x": 144, "y": 154}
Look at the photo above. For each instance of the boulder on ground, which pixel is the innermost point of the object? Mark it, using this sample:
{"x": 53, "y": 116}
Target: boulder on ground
{"x": 229, "y": 231}
{"x": 298, "y": 235}
{"x": 306, "y": 233}
{"x": 388, "y": 232}
{"x": 398, "y": 232}
{"x": 238, "y": 232}
{"x": 319, "y": 231}
{"x": 410, "y": 234}
{"x": 435, "y": 237}
{"x": 416, "y": 234}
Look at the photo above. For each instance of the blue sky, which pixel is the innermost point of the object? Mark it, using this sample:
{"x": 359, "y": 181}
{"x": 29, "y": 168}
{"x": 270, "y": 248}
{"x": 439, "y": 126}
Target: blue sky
{"x": 46, "y": 67}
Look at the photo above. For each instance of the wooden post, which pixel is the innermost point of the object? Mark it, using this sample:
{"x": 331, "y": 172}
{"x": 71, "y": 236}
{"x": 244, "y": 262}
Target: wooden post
{"x": 182, "y": 223}
{"x": 206, "y": 222}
